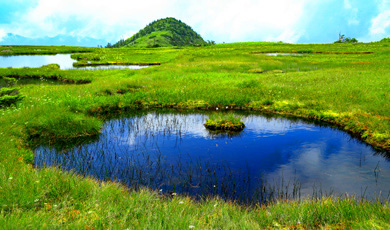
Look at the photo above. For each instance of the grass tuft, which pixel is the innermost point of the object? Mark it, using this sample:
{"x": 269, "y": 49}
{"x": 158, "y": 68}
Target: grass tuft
{"x": 224, "y": 122}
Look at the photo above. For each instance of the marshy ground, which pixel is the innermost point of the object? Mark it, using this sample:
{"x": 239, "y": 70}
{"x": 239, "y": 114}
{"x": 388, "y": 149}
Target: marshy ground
{"x": 346, "y": 85}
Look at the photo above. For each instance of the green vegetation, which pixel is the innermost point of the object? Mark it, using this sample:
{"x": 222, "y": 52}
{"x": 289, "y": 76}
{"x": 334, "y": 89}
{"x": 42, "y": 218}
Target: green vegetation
{"x": 162, "y": 33}
{"x": 343, "y": 39}
{"x": 344, "y": 84}
{"x": 47, "y": 72}
{"x": 224, "y": 122}
{"x": 9, "y": 94}
{"x": 385, "y": 40}
{"x": 125, "y": 57}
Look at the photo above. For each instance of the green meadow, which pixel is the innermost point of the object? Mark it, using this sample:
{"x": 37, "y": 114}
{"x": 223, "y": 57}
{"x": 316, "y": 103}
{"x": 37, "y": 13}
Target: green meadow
{"x": 345, "y": 85}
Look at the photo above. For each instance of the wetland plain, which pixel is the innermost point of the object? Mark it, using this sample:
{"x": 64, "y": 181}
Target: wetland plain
{"x": 313, "y": 153}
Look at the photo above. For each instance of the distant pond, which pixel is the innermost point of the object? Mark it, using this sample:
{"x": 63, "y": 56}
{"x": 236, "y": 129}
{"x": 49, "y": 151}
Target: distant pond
{"x": 272, "y": 158}
{"x": 64, "y": 60}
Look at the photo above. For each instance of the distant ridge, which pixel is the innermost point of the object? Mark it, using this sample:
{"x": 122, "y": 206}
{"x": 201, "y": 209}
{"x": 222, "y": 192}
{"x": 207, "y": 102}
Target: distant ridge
{"x": 59, "y": 40}
{"x": 163, "y": 33}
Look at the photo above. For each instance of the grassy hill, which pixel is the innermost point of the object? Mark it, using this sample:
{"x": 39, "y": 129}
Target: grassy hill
{"x": 163, "y": 33}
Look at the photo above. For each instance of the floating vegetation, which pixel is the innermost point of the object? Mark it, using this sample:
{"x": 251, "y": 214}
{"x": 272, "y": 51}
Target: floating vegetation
{"x": 224, "y": 122}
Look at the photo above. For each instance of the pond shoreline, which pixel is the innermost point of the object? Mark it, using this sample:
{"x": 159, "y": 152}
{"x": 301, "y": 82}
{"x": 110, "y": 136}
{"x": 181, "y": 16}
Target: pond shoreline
{"x": 83, "y": 64}
{"x": 163, "y": 127}
{"x": 339, "y": 124}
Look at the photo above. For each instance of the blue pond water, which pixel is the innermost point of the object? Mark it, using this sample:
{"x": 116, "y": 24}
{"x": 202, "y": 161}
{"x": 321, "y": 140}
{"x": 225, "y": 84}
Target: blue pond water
{"x": 64, "y": 60}
{"x": 273, "y": 157}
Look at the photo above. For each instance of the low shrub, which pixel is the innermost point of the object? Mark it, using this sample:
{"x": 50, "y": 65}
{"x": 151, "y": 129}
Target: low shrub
{"x": 9, "y": 94}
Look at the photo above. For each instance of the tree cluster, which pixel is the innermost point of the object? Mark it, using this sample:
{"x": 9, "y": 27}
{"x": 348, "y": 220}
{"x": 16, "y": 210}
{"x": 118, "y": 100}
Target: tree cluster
{"x": 343, "y": 39}
{"x": 385, "y": 40}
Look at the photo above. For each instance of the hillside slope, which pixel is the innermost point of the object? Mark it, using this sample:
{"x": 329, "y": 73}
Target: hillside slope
{"x": 163, "y": 33}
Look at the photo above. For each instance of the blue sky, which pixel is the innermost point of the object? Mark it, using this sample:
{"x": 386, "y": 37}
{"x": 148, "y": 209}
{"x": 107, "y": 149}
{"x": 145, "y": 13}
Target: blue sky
{"x": 294, "y": 21}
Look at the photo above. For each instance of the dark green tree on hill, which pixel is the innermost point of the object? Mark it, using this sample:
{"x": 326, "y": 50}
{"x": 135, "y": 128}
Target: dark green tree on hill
{"x": 173, "y": 33}
{"x": 343, "y": 39}
{"x": 385, "y": 40}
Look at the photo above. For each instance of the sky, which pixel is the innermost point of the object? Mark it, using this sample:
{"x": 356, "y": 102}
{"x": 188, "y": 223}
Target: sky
{"x": 292, "y": 21}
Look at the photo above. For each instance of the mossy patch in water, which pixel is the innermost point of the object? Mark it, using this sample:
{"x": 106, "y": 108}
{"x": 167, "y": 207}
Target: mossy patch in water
{"x": 224, "y": 122}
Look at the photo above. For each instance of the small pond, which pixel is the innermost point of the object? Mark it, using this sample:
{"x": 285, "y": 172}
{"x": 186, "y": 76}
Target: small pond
{"x": 64, "y": 60}
{"x": 283, "y": 54}
{"x": 272, "y": 157}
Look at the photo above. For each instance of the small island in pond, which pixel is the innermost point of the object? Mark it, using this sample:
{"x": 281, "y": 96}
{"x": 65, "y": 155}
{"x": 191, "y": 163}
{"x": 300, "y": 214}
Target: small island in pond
{"x": 224, "y": 122}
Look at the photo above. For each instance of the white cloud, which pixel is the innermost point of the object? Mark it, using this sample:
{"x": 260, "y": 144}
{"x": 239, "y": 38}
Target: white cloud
{"x": 384, "y": 5}
{"x": 221, "y": 20}
{"x": 253, "y": 20}
{"x": 347, "y": 4}
{"x": 290, "y": 36}
{"x": 2, "y": 34}
{"x": 128, "y": 34}
{"x": 352, "y": 13}
{"x": 89, "y": 17}
{"x": 380, "y": 24}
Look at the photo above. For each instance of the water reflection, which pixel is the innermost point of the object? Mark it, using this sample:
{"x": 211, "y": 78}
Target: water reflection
{"x": 283, "y": 54}
{"x": 272, "y": 157}
{"x": 105, "y": 67}
{"x": 34, "y": 61}
{"x": 64, "y": 60}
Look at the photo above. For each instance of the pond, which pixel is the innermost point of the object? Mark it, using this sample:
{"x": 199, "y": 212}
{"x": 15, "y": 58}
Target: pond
{"x": 64, "y": 60}
{"x": 283, "y": 54}
{"x": 272, "y": 158}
